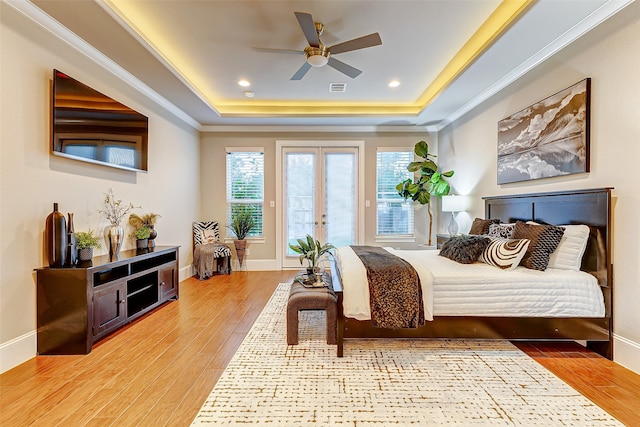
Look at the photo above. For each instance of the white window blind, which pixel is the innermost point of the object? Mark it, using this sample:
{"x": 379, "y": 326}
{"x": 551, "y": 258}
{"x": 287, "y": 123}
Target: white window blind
{"x": 394, "y": 214}
{"x": 245, "y": 185}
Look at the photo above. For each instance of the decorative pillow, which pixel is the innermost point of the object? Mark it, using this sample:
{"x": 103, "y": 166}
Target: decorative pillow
{"x": 568, "y": 254}
{"x": 209, "y": 236}
{"x": 464, "y": 249}
{"x": 501, "y": 230}
{"x": 544, "y": 240}
{"x": 504, "y": 253}
{"x": 481, "y": 226}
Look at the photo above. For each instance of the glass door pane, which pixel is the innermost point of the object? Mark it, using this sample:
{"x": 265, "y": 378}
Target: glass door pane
{"x": 300, "y": 189}
{"x": 339, "y": 218}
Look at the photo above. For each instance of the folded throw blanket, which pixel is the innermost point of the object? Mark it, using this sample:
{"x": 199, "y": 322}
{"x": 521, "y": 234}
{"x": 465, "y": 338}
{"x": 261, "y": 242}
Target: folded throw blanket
{"x": 395, "y": 293}
{"x": 207, "y": 256}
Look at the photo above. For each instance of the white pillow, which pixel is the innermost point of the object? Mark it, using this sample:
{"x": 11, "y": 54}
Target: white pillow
{"x": 504, "y": 253}
{"x": 209, "y": 236}
{"x": 568, "y": 254}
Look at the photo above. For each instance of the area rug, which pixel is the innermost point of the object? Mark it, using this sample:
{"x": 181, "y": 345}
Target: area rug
{"x": 386, "y": 382}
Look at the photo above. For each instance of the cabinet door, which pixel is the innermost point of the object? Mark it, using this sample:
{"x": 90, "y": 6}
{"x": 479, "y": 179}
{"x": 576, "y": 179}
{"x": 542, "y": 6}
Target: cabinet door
{"x": 109, "y": 308}
{"x": 168, "y": 283}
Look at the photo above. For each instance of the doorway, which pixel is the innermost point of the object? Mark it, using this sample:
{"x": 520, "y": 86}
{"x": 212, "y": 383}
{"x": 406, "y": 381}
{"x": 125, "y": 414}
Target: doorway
{"x": 320, "y": 189}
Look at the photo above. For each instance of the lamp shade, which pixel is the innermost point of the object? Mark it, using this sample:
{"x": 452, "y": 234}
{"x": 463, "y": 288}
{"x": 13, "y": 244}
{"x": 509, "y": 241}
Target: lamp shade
{"x": 455, "y": 203}
{"x": 317, "y": 60}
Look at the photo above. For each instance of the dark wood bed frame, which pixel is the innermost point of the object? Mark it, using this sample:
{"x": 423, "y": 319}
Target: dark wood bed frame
{"x": 591, "y": 207}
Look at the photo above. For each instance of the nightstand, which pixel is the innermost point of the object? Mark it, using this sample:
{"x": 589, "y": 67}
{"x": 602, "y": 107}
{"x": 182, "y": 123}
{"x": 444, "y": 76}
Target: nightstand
{"x": 441, "y": 239}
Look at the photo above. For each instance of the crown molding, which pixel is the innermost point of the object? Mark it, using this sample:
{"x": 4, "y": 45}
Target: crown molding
{"x": 600, "y": 15}
{"x": 317, "y": 129}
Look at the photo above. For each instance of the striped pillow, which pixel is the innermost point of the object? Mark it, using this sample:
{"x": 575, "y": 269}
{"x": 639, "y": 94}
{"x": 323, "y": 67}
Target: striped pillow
{"x": 504, "y": 253}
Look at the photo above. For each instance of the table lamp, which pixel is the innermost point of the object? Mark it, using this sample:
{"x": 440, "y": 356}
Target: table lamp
{"x": 454, "y": 204}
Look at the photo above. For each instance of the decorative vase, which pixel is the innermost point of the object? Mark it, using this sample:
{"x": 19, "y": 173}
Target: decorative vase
{"x": 56, "y": 238}
{"x": 114, "y": 235}
{"x": 85, "y": 254}
{"x": 152, "y": 236}
{"x": 241, "y": 246}
{"x": 71, "y": 256}
{"x": 142, "y": 244}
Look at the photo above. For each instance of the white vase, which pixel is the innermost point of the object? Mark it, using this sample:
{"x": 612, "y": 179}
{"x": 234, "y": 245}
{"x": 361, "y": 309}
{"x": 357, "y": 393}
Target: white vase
{"x": 114, "y": 236}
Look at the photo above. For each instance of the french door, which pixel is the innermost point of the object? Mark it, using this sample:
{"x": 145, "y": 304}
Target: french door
{"x": 320, "y": 194}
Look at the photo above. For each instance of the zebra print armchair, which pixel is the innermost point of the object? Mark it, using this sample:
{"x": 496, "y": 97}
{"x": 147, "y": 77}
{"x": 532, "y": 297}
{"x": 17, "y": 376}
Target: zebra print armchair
{"x": 209, "y": 255}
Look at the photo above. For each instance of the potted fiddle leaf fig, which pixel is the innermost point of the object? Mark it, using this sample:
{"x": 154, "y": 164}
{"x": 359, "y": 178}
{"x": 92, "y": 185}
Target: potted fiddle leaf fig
{"x": 429, "y": 183}
{"x": 85, "y": 242}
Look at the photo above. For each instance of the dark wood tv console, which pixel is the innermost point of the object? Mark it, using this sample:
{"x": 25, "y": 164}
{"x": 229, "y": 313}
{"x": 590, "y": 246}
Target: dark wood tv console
{"x": 79, "y": 305}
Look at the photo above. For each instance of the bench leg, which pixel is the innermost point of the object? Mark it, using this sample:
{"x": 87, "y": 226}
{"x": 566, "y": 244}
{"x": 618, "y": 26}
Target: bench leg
{"x": 331, "y": 312}
{"x": 292, "y": 326}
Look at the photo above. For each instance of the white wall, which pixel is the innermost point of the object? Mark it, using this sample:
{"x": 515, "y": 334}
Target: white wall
{"x": 609, "y": 55}
{"x": 31, "y": 179}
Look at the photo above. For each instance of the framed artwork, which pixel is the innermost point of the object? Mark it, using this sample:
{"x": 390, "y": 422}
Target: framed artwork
{"x": 549, "y": 138}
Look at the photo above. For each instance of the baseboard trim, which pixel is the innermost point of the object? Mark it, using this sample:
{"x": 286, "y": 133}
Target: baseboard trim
{"x": 248, "y": 265}
{"x": 18, "y": 350}
{"x": 186, "y": 272}
{"x": 626, "y": 353}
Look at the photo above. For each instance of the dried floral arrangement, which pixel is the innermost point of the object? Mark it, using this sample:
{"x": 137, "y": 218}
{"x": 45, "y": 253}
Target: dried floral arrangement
{"x": 115, "y": 209}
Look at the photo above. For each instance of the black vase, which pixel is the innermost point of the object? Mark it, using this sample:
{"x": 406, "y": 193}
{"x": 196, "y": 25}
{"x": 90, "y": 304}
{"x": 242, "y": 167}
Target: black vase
{"x": 152, "y": 236}
{"x": 56, "y": 238}
{"x": 71, "y": 256}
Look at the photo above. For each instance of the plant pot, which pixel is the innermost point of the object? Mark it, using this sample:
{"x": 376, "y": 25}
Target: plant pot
{"x": 241, "y": 246}
{"x": 142, "y": 244}
{"x": 85, "y": 254}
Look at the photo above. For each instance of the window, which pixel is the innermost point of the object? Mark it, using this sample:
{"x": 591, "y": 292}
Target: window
{"x": 245, "y": 185}
{"x": 394, "y": 214}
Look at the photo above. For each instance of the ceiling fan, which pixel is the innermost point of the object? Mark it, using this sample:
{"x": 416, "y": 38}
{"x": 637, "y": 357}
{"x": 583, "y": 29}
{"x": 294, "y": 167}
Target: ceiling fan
{"x": 318, "y": 55}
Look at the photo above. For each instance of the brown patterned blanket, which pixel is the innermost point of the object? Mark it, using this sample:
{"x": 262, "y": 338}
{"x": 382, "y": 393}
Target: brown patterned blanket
{"x": 394, "y": 289}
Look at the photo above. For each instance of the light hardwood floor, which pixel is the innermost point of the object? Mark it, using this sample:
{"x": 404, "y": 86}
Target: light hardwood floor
{"x": 160, "y": 369}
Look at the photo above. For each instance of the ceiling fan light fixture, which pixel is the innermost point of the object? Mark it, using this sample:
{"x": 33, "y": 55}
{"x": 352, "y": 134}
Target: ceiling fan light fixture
{"x": 317, "y": 56}
{"x": 317, "y": 60}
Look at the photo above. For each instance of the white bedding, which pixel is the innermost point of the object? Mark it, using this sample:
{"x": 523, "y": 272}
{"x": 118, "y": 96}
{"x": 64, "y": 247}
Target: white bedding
{"x": 453, "y": 289}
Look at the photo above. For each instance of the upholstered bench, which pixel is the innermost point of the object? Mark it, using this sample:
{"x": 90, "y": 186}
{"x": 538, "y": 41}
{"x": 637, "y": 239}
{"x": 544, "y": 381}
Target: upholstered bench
{"x": 303, "y": 298}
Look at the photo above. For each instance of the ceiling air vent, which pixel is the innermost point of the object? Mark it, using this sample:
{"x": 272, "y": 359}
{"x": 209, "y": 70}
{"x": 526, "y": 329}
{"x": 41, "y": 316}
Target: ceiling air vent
{"x": 337, "y": 87}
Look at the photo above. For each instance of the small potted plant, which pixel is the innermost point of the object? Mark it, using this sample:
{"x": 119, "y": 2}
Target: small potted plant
{"x": 85, "y": 242}
{"x": 242, "y": 223}
{"x": 149, "y": 220}
{"x": 142, "y": 237}
{"x": 311, "y": 250}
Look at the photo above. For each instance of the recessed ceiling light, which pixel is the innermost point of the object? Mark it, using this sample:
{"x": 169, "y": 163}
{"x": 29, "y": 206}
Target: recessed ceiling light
{"x": 249, "y": 93}
{"x": 394, "y": 83}
{"x": 244, "y": 83}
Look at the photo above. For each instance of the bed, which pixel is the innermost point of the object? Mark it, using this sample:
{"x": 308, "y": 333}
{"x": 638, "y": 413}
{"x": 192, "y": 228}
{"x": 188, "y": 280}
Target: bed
{"x": 591, "y": 207}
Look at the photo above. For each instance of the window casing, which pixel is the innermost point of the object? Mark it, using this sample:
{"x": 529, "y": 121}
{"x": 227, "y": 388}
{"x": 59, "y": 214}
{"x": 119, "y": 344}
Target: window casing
{"x": 245, "y": 185}
{"x": 394, "y": 215}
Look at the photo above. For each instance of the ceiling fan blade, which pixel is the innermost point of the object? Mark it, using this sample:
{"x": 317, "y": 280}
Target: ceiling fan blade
{"x": 344, "y": 68}
{"x": 355, "y": 44}
{"x": 301, "y": 71}
{"x": 308, "y": 28}
{"x": 270, "y": 50}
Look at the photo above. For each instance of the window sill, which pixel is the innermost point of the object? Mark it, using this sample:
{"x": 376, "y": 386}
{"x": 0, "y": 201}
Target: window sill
{"x": 395, "y": 239}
